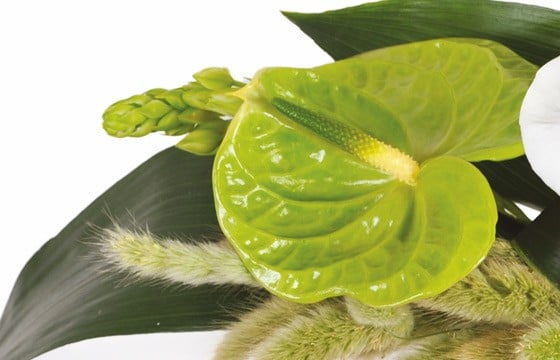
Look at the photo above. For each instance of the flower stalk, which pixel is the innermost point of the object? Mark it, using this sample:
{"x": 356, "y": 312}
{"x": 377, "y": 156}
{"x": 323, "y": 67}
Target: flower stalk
{"x": 200, "y": 110}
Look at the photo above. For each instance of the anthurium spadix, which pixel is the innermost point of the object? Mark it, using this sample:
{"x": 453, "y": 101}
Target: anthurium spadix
{"x": 353, "y": 178}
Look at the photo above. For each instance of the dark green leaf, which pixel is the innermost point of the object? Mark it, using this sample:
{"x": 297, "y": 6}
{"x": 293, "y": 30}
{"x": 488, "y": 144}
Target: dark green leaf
{"x": 511, "y": 219}
{"x": 63, "y": 295}
{"x": 515, "y": 180}
{"x": 540, "y": 242}
{"x": 531, "y": 31}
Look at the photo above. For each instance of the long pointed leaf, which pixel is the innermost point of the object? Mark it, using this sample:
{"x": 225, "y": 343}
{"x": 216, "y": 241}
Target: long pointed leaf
{"x": 531, "y": 31}
{"x": 516, "y": 181}
{"x": 540, "y": 242}
{"x": 63, "y": 295}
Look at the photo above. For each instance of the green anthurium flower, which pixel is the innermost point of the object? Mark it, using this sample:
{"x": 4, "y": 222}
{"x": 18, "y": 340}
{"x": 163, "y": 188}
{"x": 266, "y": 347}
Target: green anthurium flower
{"x": 353, "y": 178}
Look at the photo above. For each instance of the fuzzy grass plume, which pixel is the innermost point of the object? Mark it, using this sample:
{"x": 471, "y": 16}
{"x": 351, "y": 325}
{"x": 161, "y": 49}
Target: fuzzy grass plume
{"x": 143, "y": 255}
{"x": 542, "y": 342}
{"x": 503, "y": 289}
{"x": 279, "y": 329}
{"x": 502, "y": 310}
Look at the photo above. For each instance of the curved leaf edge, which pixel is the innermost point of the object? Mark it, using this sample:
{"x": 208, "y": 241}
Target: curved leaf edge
{"x": 63, "y": 296}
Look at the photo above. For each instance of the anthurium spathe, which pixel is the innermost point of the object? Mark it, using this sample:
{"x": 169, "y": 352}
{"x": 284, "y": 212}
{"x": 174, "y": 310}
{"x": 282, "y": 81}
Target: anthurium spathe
{"x": 353, "y": 178}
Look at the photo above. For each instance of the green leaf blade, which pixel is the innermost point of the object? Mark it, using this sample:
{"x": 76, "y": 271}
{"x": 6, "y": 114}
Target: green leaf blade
{"x": 539, "y": 243}
{"x": 531, "y": 31}
{"x": 64, "y": 294}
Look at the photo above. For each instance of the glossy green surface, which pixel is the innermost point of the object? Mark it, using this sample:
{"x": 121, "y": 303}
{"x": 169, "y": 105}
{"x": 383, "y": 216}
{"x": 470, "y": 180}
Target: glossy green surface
{"x": 531, "y": 31}
{"x": 312, "y": 220}
{"x": 534, "y": 32}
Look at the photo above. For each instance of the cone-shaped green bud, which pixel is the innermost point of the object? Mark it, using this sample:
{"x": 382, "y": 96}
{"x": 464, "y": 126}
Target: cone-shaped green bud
{"x": 194, "y": 116}
{"x": 155, "y": 110}
{"x": 215, "y": 78}
{"x": 205, "y": 138}
{"x": 219, "y": 101}
{"x": 198, "y": 109}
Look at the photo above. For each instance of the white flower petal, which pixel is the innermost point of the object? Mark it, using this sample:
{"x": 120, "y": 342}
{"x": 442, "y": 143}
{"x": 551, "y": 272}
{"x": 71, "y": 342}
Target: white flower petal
{"x": 540, "y": 124}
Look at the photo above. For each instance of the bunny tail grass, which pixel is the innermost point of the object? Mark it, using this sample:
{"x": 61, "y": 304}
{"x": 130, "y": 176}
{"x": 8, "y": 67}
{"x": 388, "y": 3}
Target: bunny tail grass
{"x": 255, "y": 326}
{"x": 492, "y": 344}
{"x": 390, "y": 317}
{"x": 483, "y": 341}
{"x": 143, "y": 255}
{"x": 542, "y": 342}
{"x": 502, "y": 289}
{"x": 327, "y": 331}
{"x": 282, "y": 330}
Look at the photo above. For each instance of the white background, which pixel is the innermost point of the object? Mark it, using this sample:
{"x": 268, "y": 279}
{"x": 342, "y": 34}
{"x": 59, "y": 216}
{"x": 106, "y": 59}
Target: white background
{"x": 63, "y": 62}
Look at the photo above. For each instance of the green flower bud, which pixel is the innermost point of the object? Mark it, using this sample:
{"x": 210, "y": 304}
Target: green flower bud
{"x": 195, "y": 116}
{"x": 155, "y": 110}
{"x": 220, "y": 102}
{"x": 205, "y": 138}
{"x": 215, "y": 78}
{"x": 196, "y": 109}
